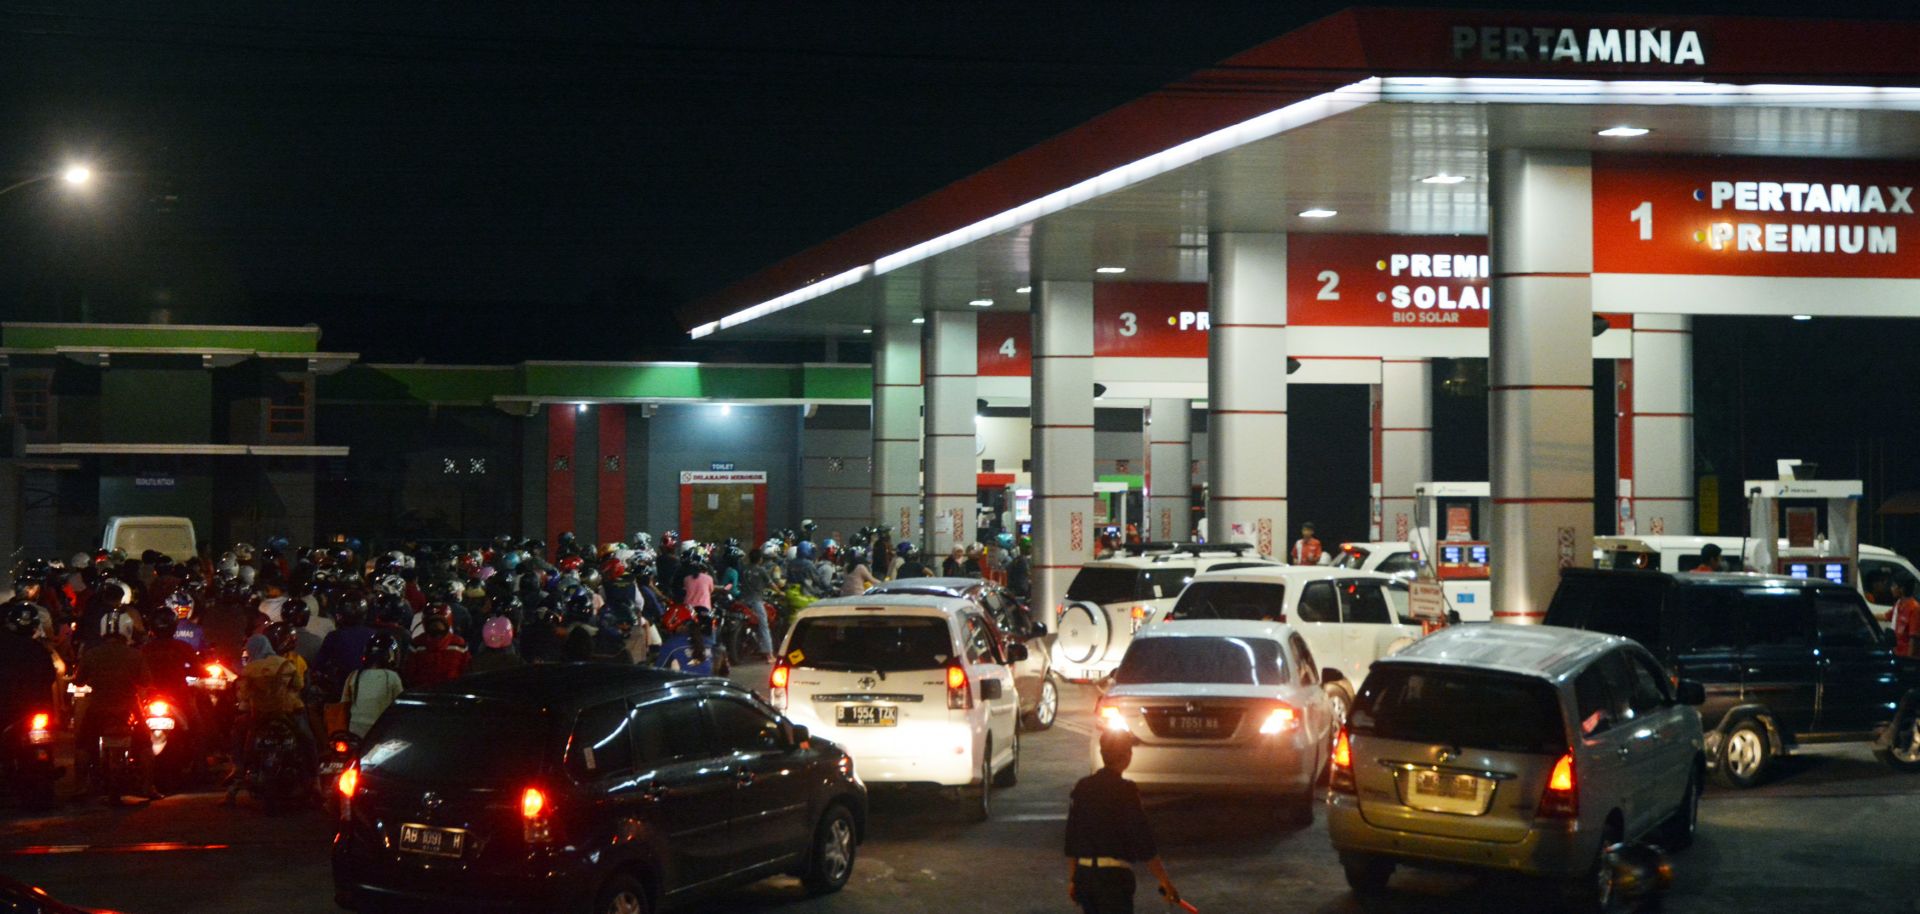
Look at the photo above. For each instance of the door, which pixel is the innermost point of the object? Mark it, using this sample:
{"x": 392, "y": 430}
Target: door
{"x": 1318, "y": 714}
{"x": 1704, "y": 644}
{"x": 1604, "y": 768}
{"x": 769, "y": 821}
{"x": 985, "y": 665}
{"x": 1662, "y": 740}
{"x": 682, "y": 794}
{"x": 721, "y": 510}
{"x": 1367, "y": 625}
{"x": 1317, "y": 618}
{"x": 1858, "y": 683}
{"x": 1779, "y": 668}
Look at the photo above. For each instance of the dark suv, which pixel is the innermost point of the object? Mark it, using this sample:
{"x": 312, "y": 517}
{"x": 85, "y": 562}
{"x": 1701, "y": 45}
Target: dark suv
{"x": 1785, "y": 661}
{"x": 588, "y": 787}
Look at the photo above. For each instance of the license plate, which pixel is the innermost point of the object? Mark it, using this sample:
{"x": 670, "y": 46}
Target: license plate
{"x": 1193, "y": 724}
{"x": 866, "y": 716}
{"x": 1446, "y": 786}
{"x": 116, "y": 742}
{"x": 434, "y": 842}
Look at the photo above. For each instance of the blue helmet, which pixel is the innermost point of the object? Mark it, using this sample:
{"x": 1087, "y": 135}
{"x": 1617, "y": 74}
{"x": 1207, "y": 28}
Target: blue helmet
{"x": 805, "y": 550}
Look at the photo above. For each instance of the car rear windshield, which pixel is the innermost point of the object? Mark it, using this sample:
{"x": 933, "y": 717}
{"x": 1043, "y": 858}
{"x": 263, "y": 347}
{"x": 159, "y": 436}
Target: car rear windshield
{"x": 1228, "y": 661}
{"x": 439, "y": 742}
{"x": 888, "y": 644}
{"x": 1231, "y": 600}
{"x": 1465, "y": 708}
{"x": 1102, "y": 586}
{"x": 1625, "y": 605}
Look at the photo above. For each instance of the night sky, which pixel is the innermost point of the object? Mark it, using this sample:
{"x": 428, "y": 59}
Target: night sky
{"x": 475, "y": 183}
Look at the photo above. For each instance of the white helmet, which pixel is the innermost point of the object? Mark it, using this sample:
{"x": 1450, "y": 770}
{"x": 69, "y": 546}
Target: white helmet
{"x": 119, "y": 622}
{"x": 125, "y": 595}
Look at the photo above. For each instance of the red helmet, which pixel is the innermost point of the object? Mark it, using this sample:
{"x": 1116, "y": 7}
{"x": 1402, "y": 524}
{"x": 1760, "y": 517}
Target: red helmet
{"x": 612, "y": 568}
{"x": 571, "y": 564}
{"x": 437, "y": 612}
{"x": 670, "y": 540}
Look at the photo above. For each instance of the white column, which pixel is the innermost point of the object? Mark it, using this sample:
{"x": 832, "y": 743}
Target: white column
{"x": 1247, "y": 392}
{"x": 1169, "y": 432}
{"x": 1661, "y": 442}
{"x": 897, "y": 398}
{"x": 1062, "y": 438}
{"x": 1541, "y": 374}
{"x": 951, "y": 481}
{"x": 1403, "y": 442}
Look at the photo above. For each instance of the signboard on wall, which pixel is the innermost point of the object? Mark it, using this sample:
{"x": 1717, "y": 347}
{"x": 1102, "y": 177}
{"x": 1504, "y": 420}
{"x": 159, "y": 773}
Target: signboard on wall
{"x": 1682, "y": 215}
{"x": 1387, "y": 280}
{"x": 1005, "y": 347}
{"x": 1150, "y": 320}
{"x": 706, "y": 477}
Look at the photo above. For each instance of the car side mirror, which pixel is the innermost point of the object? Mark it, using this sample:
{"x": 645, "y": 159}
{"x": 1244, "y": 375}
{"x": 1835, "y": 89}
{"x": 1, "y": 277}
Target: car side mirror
{"x": 1691, "y": 692}
{"x": 1017, "y": 652}
{"x": 990, "y": 689}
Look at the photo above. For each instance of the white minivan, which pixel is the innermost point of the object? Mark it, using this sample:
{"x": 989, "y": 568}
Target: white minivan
{"x": 1349, "y": 618}
{"x": 170, "y": 536}
{"x": 915, "y": 688}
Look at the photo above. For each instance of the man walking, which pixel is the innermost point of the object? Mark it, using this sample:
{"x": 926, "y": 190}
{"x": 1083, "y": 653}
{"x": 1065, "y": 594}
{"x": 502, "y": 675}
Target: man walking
{"x": 1107, "y": 833}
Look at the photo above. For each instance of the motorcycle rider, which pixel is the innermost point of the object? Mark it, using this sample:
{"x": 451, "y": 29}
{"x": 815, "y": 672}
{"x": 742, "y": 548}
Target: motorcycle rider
{"x": 910, "y": 564}
{"x": 496, "y": 653}
{"x": 757, "y": 585}
{"x": 374, "y": 686}
{"x": 306, "y": 642}
{"x": 181, "y": 606}
{"x": 27, "y": 669}
{"x": 341, "y": 650}
{"x": 859, "y": 577}
{"x": 439, "y": 655}
{"x": 270, "y": 687}
{"x": 118, "y": 676}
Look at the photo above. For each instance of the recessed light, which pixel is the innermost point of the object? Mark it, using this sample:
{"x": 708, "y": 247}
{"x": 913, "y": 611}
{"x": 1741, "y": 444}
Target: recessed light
{"x": 1318, "y": 213}
{"x": 866, "y": 329}
{"x": 1111, "y": 271}
{"x": 1023, "y": 290}
{"x": 919, "y": 320}
{"x": 1444, "y": 178}
{"x": 1803, "y": 317}
{"x": 1625, "y": 131}
{"x": 981, "y": 303}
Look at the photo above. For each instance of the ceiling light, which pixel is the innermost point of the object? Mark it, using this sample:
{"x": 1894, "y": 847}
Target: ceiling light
{"x": 726, "y": 409}
{"x": 981, "y": 303}
{"x": 1111, "y": 271}
{"x": 1444, "y": 178}
{"x": 919, "y": 320}
{"x": 77, "y": 175}
{"x": 1318, "y": 213}
{"x": 866, "y": 329}
{"x": 1625, "y": 131}
{"x": 1023, "y": 290}
{"x": 1803, "y": 317}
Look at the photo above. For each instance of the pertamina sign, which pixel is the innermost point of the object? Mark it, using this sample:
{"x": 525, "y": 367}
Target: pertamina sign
{"x": 1568, "y": 45}
{"x": 1755, "y": 217}
{"x": 1387, "y": 281}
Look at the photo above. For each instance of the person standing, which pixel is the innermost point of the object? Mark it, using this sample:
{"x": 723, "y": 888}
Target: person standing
{"x": 1107, "y": 833}
{"x": 1306, "y": 549}
{"x": 1906, "y": 618}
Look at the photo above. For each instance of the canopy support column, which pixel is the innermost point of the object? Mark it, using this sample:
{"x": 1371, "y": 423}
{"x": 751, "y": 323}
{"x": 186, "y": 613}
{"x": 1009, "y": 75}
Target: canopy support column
{"x": 1247, "y": 392}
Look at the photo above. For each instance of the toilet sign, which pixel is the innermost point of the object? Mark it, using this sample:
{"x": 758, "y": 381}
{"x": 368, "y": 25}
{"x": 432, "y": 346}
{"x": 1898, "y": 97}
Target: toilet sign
{"x": 1682, "y": 215}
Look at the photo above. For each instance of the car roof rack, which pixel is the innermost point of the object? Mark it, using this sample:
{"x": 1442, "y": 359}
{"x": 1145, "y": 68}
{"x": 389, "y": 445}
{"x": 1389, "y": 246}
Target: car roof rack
{"x": 1185, "y": 548}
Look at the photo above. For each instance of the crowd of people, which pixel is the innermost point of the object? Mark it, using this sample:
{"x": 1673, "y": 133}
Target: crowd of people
{"x": 328, "y": 636}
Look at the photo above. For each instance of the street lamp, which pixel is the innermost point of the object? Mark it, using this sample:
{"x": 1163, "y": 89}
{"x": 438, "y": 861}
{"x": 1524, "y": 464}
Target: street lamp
{"x": 76, "y": 175}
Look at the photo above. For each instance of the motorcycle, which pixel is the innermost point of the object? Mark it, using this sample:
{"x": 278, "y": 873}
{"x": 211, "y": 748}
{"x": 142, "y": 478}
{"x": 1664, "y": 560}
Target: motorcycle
{"x": 176, "y": 753}
{"x": 679, "y": 652}
{"x": 278, "y": 769}
{"x": 342, "y": 748}
{"x": 117, "y": 774}
{"x": 29, "y": 765}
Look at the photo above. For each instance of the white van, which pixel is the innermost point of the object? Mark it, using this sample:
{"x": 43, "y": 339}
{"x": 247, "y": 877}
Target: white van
{"x": 1879, "y": 567}
{"x": 170, "y": 536}
{"x": 1109, "y": 599}
{"x": 1472, "y": 598}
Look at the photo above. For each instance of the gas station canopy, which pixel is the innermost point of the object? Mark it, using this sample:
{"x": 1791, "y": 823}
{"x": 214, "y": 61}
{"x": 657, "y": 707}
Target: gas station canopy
{"x": 1371, "y": 115}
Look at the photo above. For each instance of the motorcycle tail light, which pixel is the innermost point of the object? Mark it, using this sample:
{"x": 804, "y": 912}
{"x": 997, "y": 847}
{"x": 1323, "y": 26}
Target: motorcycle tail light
{"x": 40, "y": 729}
{"x": 159, "y": 709}
{"x": 348, "y": 784}
{"x": 536, "y": 817}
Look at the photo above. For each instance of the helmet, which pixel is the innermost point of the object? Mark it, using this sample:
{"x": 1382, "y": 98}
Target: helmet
{"x": 161, "y": 622}
{"x": 591, "y": 578}
{"x": 806, "y": 550}
{"x": 613, "y": 569}
{"x": 831, "y": 552}
{"x": 180, "y": 604}
{"x": 857, "y": 555}
{"x": 448, "y": 591}
{"x": 246, "y": 576}
{"x": 392, "y": 584}
{"x": 341, "y": 557}
{"x": 505, "y": 605}
{"x": 116, "y": 592}
{"x": 906, "y": 550}
{"x": 643, "y": 540}
{"x": 1004, "y": 540}
{"x": 670, "y": 540}
{"x": 381, "y": 651}
{"x": 577, "y": 604}
{"x": 511, "y": 560}
{"x": 118, "y": 623}
{"x": 283, "y": 636}
{"x": 278, "y": 543}
{"x": 437, "y": 614}
{"x": 20, "y": 617}
{"x": 497, "y": 632}
{"x": 350, "y": 608}
{"x": 296, "y": 613}
{"x": 390, "y": 609}
{"x": 243, "y": 552}
{"x": 570, "y": 563}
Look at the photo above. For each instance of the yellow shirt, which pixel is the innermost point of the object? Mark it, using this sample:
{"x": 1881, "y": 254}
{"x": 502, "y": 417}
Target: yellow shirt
{"x": 272, "y": 685}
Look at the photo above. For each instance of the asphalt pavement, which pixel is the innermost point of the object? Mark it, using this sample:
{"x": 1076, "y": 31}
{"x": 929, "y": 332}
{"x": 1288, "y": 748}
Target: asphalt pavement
{"x": 1835, "y": 831}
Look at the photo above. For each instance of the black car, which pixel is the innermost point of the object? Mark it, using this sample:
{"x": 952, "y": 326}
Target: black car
{"x": 1785, "y": 661}
{"x": 589, "y": 788}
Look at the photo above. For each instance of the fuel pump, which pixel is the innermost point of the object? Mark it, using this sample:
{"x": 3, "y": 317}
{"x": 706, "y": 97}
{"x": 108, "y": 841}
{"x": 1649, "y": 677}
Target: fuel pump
{"x": 1452, "y": 556}
{"x": 1805, "y": 551}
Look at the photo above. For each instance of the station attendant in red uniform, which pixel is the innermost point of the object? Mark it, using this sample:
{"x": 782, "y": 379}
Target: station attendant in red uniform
{"x": 1906, "y": 618}
{"x": 1306, "y": 549}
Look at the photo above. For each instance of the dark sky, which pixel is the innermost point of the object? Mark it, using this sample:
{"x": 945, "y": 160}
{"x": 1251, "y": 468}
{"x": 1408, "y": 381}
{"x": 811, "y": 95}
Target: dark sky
{"x": 474, "y": 182}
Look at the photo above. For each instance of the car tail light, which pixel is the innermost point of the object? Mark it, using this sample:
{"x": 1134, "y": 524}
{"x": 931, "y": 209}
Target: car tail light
{"x": 1562, "y": 797}
{"x": 348, "y": 783}
{"x": 777, "y": 685}
{"x": 40, "y": 729}
{"x": 1280, "y": 720}
{"x": 535, "y": 816}
{"x": 959, "y": 695}
{"x": 1114, "y": 719}
{"x": 1340, "y": 773}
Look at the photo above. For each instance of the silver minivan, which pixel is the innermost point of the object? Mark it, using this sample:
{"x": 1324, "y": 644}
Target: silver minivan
{"x": 1522, "y": 748}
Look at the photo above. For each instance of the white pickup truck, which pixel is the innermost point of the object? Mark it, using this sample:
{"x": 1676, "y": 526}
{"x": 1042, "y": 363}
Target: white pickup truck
{"x": 171, "y": 536}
